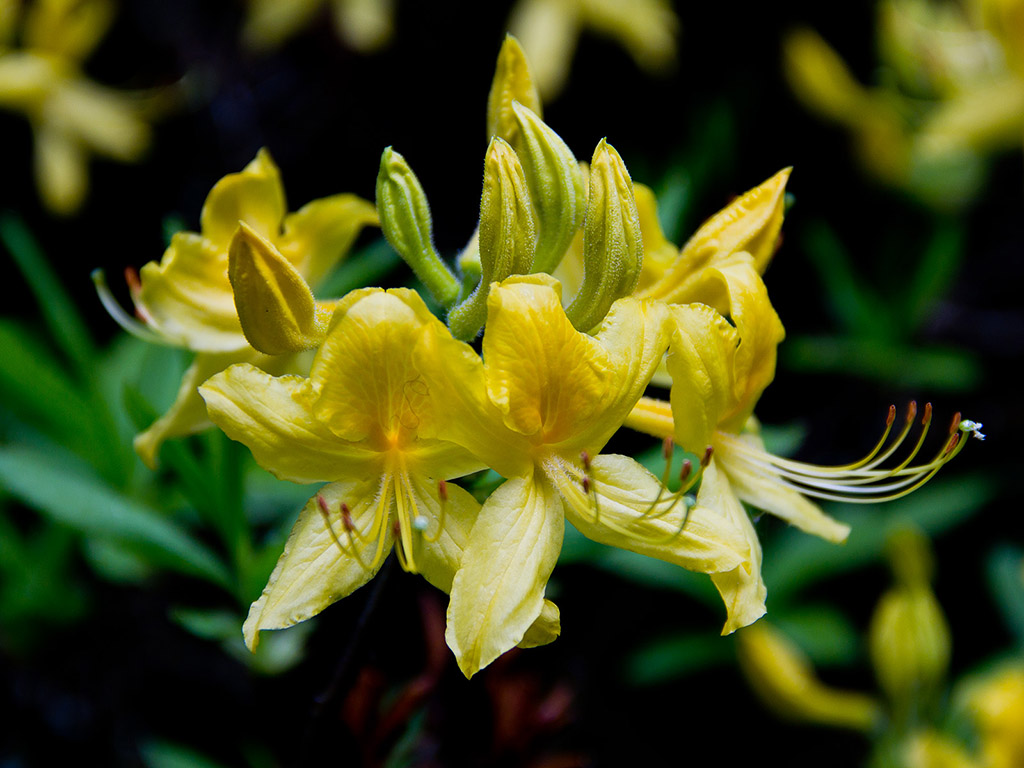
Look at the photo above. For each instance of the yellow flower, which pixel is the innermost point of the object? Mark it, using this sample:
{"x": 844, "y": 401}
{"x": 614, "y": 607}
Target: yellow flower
{"x": 538, "y": 409}
{"x": 719, "y": 370}
{"x": 548, "y": 30}
{"x": 71, "y": 116}
{"x": 365, "y": 25}
{"x": 356, "y": 422}
{"x": 186, "y": 299}
{"x": 996, "y": 705}
{"x": 954, "y": 92}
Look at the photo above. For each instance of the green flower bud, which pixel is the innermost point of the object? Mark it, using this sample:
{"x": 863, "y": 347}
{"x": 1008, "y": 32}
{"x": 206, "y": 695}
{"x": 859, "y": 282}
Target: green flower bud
{"x": 507, "y": 235}
{"x": 512, "y": 82}
{"x": 405, "y": 220}
{"x": 556, "y": 186}
{"x": 613, "y": 249}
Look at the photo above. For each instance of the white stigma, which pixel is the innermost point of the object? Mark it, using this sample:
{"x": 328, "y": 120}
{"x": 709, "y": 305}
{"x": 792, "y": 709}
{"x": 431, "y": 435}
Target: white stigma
{"x": 974, "y": 427}
{"x": 420, "y": 523}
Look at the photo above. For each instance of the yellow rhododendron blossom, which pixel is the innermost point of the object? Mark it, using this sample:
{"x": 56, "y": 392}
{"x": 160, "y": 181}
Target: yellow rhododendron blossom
{"x": 186, "y": 299}
{"x": 954, "y": 92}
{"x": 549, "y": 29}
{"x": 538, "y": 409}
{"x": 355, "y": 422}
{"x": 996, "y": 705}
{"x": 71, "y": 116}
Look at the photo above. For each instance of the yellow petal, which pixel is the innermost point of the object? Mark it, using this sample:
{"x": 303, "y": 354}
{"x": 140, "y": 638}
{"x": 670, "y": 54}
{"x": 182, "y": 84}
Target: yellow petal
{"x": 269, "y": 23}
{"x": 187, "y": 415}
{"x": 701, "y": 362}
{"x": 438, "y": 551}
{"x": 26, "y": 79}
{"x": 67, "y": 28}
{"x": 105, "y": 121}
{"x": 61, "y": 167}
{"x": 254, "y": 195}
{"x": 633, "y": 512}
{"x": 545, "y": 628}
{"x": 548, "y": 31}
{"x": 274, "y": 418}
{"x": 366, "y": 25}
{"x": 499, "y": 590}
{"x": 545, "y": 376}
{"x": 742, "y": 589}
{"x": 750, "y": 223}
{"x": 275, "y": 306}
{"x": 821, "y": 79}
{"x": 646, "y": 28}
{"x": 765, "y": 490}
{"x": 659, "y": 253}
{"x": 366, "y": 382}
{"x": 187, "y": 296}
{"x": 321, "y": 233}
{"x": 313, "y": 571}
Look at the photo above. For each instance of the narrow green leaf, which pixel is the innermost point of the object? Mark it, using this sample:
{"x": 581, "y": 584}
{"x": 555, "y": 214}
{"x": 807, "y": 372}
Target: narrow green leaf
{"x": 65, "y": 324}
{"x": 935, "y": 274}
{"x": 1005, "y": 570}
{"x": 676, "y": 656}
{"x": 368, "y": 267}
{"x": 66, "y": 492}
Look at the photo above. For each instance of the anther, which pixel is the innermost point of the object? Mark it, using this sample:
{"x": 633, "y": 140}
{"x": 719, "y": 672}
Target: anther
{"x": 667, "y": 448}
{"x": 955, "y": 424}
{"x": 911, "y": 411}
{"x": 685, "y": 470}
{"x": 706, "y": 458}
{"x": 891, "y": 417}
{"x": 586, "y": 484}
{"x": 442, "y": 490}
{"x": 927, "y": 417}
{"x": 585, "y": 458}
{"x": 346, "y": 518}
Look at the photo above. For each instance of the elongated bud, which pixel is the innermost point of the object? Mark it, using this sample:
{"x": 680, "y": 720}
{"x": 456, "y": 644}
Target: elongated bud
{"x": 556, "y": 186}
{"x": 783, "y": 678}
{"x": 613, "y": 248}
{"x": 275, "y": 305}
{"x": 405, "y": 220}
{"x": 512, "y": 82}
{"x": 507, "y": 236}
{"x": 909, "y": 638}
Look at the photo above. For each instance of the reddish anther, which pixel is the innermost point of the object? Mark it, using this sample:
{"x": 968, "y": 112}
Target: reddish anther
{"x": 667, "y": 447}
{"x": 685, "y": 470}
{"x": 706, "y": 459}
{"x": 442, "y": 490}
{"x": 891, "y": 417}
{"x": 585, "y": 458}
{"x": 927, "y": 418}
{"x": 346, "y": 517}
{"x": 954, "y": 427}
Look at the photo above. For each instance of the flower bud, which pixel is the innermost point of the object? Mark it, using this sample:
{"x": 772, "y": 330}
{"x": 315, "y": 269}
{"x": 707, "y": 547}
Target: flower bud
{"x": 556, "y": 186}
{"x": 405, "y": 220}
{"x": 909, "y": 638}
{"x": 613, "y": 248}
{"x": 275, "y": 305}
{"x": 507, "y": 235}
{"x": 512, "y": 82}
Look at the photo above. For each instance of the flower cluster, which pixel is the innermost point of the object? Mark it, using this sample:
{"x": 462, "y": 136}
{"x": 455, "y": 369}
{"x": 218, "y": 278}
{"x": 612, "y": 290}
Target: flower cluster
{"x": 565, "y": 305}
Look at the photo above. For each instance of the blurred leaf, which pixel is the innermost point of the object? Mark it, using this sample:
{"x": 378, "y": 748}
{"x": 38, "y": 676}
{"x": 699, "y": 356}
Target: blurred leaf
{"x": 794, "y": 560}
{"x": 67, "y": 493}
{"x": 65, "y": 324}
{"x": 368, "y": 267}
{"x": 825, "y": 634}
{"x": 208, "y": 625}
{"x": 935, "y": 274}
{"x": 676, "y": 656}
{"x": 38, "y": 390}
{"x": 649, "y": 572}
{"x": 116, "y": 561}
{"x": 783, "y": 439}
{"x": 1005, "y": 570}
{"x": 855, "y": 307}
{"x": 163, "y": 754}
{"x": 904, "y": 366}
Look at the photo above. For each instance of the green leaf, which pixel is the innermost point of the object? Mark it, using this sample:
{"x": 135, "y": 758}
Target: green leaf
{"x": 67, "y": 493}
{"x": 935, "y": 274}
{"x": 163, "y": 754}
{"x": 904, "y": 366}
{"x": 1005, "y": 570}
{"x": 794, "y": 560}
{"x": 676, "y": 656}
{"x": 65, "y": 324}
{"x": 825, "y": 634}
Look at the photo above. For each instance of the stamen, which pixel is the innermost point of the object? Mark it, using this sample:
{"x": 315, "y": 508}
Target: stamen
{"x": 122, "y": 318}
{"x": 346, "y": 519}
{"x": 442, "y": 497}
{"x": 861, "y": 482}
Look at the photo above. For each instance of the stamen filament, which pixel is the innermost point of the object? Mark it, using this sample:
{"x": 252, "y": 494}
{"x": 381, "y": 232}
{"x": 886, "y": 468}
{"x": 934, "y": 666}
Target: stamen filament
{"x": 122, "y": 318}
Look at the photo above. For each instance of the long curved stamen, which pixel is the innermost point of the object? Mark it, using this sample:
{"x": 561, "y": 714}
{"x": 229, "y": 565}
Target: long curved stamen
{"x": 420, "y": 522}
{"x": 346, "y": 521}
{"x": 122, "y": 318}
{"x": 579, "y": 490}
{"x": 861, "y": 482}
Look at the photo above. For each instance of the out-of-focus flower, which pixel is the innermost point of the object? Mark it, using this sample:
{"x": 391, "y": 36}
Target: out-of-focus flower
{"x": 909, "y": 637}
{"x": 995, "y": 703}
{"x": 187, "y": 299}
{"x": 549, "y": 29}
{"x": 783, "y": 677}
{"x": 538, "y": 409}
{"x": 933, "y": 749}
{"x": 951, "y": 94}
{"x": 364, "y": 25}
{"x": 42, "y": 47}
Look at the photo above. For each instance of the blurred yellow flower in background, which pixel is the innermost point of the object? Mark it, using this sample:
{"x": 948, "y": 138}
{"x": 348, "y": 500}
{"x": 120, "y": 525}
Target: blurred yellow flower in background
{"x": 951, "y": 93}
{"x": 42, "y": 47}
{"x": 364, "y": 25}
{"x": 549, "y": 30}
